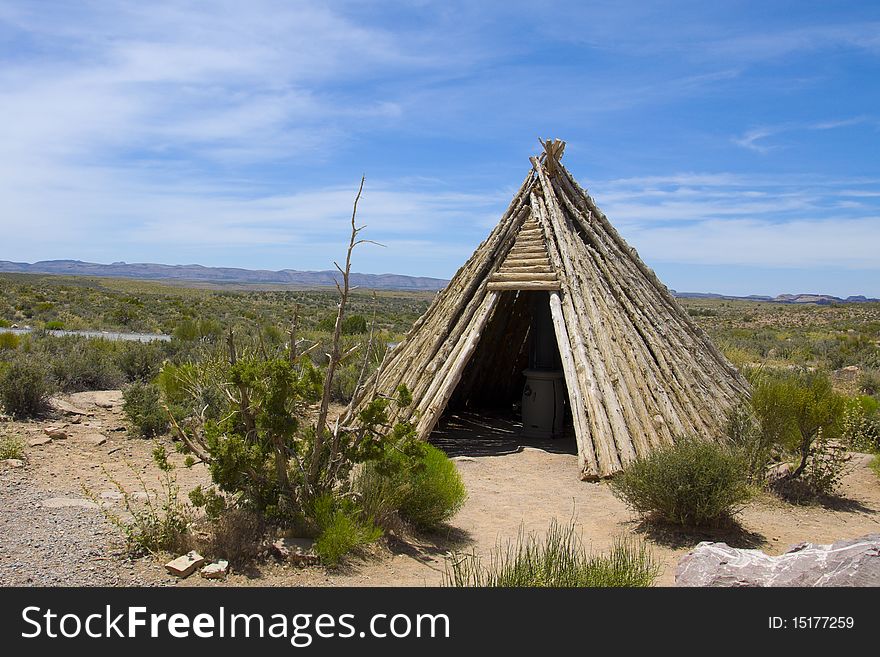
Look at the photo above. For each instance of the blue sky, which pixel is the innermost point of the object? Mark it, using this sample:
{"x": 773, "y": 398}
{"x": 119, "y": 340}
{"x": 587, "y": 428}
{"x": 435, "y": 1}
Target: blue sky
{"x": 734, "y": 144}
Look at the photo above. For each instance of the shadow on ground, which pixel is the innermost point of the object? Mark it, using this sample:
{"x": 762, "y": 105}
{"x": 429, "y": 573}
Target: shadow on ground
{"x": 831, "y": 503}
{"x": 673, "y": 536}
{"x": 426, "y": 547}
{"x": 491, "y": 434}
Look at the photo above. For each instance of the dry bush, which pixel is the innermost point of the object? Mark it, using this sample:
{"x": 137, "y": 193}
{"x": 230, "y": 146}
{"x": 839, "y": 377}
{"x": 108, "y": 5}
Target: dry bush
{"x": 236, "y": 535}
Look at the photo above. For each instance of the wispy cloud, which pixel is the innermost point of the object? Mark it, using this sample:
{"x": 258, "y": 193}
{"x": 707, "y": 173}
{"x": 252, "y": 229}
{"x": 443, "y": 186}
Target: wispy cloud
{"x": 234, "y": 133}
{"x": 830, "y": 241}
{"x": 266, "y": 80}
{"x": 763, "y": 44}
{"x": 753, "y": 139}
{"x": 735, "y": 219}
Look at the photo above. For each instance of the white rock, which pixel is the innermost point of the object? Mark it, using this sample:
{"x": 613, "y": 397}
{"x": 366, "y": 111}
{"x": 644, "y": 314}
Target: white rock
{"x": 185, "y": 565}
{"x": 216, "y": 570}
{"x": 854, "y": 562}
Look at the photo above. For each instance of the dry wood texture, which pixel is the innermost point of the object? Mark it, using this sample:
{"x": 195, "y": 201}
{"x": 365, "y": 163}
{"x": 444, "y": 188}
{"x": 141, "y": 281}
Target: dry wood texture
{"x": 638, "y": 371}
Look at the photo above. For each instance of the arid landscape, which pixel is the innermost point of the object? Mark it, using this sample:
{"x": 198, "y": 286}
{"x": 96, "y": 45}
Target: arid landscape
{"x": 54, "y": 535}
{"x": 553, "y": 416}
{"x": 411, "y": 327}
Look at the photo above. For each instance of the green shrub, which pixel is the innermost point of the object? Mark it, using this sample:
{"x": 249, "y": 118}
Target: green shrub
{"x": 794, "y": 409}
{"x": 143, "y": 408}
{"x": 342, "y": 528}
{"x": 875, "y": 465}
{"x": 743, "y": 430}
{"x": 424, "y": 487}
{"x": 8, "y": 341}
{"x": 86, "y": 365}
{"x": 153, "y": 522}
{"x": 692, "y": 483}
{"x": 380, "y": 493}
{"x": 25, "y": 387}
{"x": 11, "y": 447}
{"x": 139, "y": 361}
{"x": 559, "y": 560}
{"x": 351, "y": 324}
{"x": 54, "y": 325}
{"x": 436, "y": 491}
{"x": 344, "y": 382}
{"x": 860, "y": 425}
{"x": 194, "y": 388}
{"x": 869, "y": 382}
{"x": 189, "y": 330}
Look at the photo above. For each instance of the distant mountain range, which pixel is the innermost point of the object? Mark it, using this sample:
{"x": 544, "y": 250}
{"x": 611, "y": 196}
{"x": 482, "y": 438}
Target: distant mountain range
{"x": 221, "y": 275}
{"x": 818, "y": 299}
{"x": 233, "y": 275}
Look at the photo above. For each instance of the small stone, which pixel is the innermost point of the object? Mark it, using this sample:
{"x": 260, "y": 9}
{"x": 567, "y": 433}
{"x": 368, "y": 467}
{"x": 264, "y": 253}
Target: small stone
{"x": 39, "y": 441}
{"x": 12, "y": 463}
{"x": 298, "y": 551}
{"x": 185, "y": 565}
{"x": 111, "y": 495}
{"x": 68, "y": 502}
{"x": 55, "y": 433}
{"x": 96, "y": 439}
{"x": 216, "y": 570}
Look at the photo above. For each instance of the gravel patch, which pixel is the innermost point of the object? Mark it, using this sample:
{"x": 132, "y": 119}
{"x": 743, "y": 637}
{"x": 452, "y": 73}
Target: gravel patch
{"x": 60, "y": 545}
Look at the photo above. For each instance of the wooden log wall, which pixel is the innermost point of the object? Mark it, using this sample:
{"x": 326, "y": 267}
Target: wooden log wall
{"x": 638, "y": 370}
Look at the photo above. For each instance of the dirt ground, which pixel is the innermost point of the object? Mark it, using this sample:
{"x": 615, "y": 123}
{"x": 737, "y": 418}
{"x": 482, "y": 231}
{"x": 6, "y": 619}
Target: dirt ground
{"x": 52, "y": 533}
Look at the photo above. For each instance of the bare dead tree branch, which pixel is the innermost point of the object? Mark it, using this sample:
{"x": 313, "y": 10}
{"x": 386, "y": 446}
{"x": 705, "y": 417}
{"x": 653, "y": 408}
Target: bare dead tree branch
{"x": 195, "y": 446}
{"x": 321, "y": 428}
{"x": 293, "y": 329}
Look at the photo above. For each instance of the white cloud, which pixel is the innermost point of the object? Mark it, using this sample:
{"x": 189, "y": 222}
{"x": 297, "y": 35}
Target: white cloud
{"x": 141, "y": 128}
{"x": 754, "y": 139}
{"x": 766, "y": 221}
{"x": 245, "y": 81}
{"x": 849, "y": 243}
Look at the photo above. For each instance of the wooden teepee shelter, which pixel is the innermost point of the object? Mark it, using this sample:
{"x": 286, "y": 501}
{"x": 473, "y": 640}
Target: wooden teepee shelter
{"x": 637, "y": 370}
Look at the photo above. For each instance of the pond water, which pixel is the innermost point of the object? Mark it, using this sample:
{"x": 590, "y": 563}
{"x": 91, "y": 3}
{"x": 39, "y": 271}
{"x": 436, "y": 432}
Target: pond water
{"x": 107, "y": 335}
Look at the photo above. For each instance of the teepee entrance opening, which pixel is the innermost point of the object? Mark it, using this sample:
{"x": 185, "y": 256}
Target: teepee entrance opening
{"x": 512, "y": 392}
